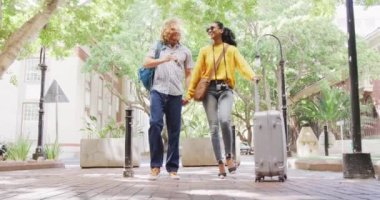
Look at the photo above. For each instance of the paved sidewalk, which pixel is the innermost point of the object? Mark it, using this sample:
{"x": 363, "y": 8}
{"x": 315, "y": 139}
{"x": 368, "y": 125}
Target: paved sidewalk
{"x": 196, "y": 183}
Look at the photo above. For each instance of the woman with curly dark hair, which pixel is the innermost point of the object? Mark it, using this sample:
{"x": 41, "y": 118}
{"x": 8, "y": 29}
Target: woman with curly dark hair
{"x": 218, "y": 62}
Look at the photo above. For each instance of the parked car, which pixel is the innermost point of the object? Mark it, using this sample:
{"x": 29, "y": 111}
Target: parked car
{"x": 245, "y": 149}
{"x": 3, "y": 151}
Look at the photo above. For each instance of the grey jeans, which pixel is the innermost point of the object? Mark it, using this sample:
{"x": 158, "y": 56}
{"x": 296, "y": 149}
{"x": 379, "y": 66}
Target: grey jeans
{"x": 218, "y": 107}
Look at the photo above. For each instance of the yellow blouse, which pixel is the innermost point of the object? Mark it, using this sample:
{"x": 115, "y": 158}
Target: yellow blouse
{"x": 205, "y": 63}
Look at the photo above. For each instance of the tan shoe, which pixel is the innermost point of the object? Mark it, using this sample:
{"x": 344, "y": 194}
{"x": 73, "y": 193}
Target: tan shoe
{"x": 154, "y": 173}
{"x": 174, "y": 175}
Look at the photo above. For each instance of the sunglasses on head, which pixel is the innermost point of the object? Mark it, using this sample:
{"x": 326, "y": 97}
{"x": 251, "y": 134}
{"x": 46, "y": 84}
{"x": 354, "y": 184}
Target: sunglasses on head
{"x": 211, "y": 28}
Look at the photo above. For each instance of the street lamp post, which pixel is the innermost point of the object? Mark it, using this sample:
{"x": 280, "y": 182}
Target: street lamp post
{"x": 356, "y": 164}
{"x": 39, "y": 150}
{"x": 283, "y": 92}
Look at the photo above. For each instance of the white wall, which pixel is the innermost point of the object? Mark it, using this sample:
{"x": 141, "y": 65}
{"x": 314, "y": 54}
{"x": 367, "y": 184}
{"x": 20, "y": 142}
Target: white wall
{"x": 345, "y": 146}
{"x": 67, "y": 73}
{"x": 8, "y": 105}
{"x": 366, "y": 19}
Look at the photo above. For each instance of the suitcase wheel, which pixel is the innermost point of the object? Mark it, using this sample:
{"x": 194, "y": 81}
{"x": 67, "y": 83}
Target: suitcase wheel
{"x": 282, "y": 178}
{"x": 259, "y": 178}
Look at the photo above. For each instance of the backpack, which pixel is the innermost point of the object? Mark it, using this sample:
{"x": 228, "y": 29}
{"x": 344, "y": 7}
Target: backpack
{"x": 146, "y": 75}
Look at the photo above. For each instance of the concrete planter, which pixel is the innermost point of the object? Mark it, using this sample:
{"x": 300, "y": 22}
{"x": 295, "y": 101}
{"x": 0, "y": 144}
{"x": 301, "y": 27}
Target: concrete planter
{"x": 106, "y": 152}
{"x": 199, "y": 152}
{"x": 307, "y": 143}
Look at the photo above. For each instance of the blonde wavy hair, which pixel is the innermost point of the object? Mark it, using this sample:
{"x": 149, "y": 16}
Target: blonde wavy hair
{"x": 166, "y": 29}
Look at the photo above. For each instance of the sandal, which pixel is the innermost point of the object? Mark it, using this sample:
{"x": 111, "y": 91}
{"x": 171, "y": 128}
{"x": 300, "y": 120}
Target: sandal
{"x": 222, "y": 173}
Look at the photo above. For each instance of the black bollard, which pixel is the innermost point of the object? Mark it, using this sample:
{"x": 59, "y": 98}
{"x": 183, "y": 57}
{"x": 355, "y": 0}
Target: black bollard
{"x": 233, "y": 143}
{"x": 326, "y": 140}
{"x": 128, "y": 166}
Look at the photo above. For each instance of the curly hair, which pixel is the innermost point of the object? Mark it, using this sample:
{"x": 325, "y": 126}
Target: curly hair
{"x": 166, "y": 29}
{"x": 227, "y": 36}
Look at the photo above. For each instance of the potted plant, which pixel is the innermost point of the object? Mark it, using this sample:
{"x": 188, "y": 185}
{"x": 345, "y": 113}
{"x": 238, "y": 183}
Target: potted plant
{"x": 330, "y": 106}
{"x": 105, "y": 147}
{"x": 196, "y": 146}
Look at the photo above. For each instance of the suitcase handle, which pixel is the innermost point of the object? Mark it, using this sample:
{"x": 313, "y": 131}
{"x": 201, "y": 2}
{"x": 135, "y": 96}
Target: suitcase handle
{"x": 257, "y": 97}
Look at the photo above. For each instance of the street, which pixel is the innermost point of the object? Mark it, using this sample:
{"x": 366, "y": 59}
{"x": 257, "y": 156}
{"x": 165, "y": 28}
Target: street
{"x": 196, "y": 183}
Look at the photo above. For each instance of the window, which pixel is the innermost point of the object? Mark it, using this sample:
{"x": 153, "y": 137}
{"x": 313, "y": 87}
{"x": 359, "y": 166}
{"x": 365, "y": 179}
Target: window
{"x": 87, "y": 97}
{"x": 87, "y": 91}
{"x": 100, "y": 120}
{"x": 100, "y": 95}
{"x": 32, "y": 70}
{"x": 116, "y": 103}
{"x": 110, "y": 108}
{"x": 30, "y": 111}
{"x": 100, "y": 88}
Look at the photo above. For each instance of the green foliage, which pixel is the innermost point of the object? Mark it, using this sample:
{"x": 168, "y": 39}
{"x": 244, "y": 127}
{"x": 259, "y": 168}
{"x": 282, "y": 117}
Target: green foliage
{"x": 19, "y": 150}
{"x": 90, "y": 128}
{"x": 368, "y": 2}
{"x": 194, "y": 122}
{"x": 110, "y": 129}
{"x": 330, "y": 106}
{"x": 314, "y": 48}
{"x": 52, "y": 151}
{"x": 72, "y": 24}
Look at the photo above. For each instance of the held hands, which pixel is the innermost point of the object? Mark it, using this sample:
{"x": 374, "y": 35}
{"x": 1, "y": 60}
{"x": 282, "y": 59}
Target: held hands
{"x": 185, "y": 102}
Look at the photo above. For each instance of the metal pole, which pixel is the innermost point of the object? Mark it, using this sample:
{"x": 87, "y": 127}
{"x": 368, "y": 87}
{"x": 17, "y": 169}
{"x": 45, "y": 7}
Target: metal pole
{"x": 56, "y": 114}
{"x": 283, "y": 100}
{"x": 355, "y": 108}
{"x": 356, "y": 164}
{"x": 39, "y": 150}
{"x": 234, "y": 143}
{"x": 128, "y": 165}
{"x": 283, "y": 91}
{"x": 326, "y": 140}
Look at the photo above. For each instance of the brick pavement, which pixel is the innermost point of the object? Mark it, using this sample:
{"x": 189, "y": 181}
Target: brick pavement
{"x": 198, "y": 183}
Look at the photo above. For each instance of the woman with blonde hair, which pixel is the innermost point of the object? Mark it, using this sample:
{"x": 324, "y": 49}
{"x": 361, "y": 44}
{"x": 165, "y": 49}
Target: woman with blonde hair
{"x": 173, "y": 65}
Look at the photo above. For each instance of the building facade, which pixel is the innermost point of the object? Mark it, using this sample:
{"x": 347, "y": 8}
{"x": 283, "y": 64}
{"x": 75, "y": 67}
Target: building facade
{"x": 88, "y": 94}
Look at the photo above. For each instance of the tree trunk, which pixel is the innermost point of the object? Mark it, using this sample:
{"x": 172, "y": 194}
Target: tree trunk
{"x": 1, "y": 13}
{"x": 25, "y": 33}
{"x": 250, "y": 134}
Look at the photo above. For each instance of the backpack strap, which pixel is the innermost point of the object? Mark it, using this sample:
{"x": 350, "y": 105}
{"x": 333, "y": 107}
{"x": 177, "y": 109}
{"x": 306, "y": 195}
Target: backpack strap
{"x": 158, "y": 49}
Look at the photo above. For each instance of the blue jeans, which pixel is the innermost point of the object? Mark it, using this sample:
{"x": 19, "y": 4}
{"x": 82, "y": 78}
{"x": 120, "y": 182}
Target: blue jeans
{"x": 218, "y": 107}
{"x": 171, "y": 107}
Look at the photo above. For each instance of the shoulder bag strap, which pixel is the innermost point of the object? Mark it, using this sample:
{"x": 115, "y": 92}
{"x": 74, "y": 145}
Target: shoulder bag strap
{"x": 218, "y": 62}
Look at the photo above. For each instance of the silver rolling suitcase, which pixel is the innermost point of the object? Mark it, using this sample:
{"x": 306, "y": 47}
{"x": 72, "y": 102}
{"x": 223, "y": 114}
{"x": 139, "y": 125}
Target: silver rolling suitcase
{"x": 269, "y": 144}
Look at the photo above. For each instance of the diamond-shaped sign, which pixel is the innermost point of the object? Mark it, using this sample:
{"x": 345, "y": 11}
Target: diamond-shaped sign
{"x": 55, "y": 94}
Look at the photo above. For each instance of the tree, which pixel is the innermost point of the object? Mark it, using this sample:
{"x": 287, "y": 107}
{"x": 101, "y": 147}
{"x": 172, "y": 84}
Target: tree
{"x": 314, "y": 50}
{"x": 329, "y": 107}
{"x": 303, "y": 61}
{"x": 126, "y": 50}
{"x": 28, "y": 30}
{"x": 57, "y": 24}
